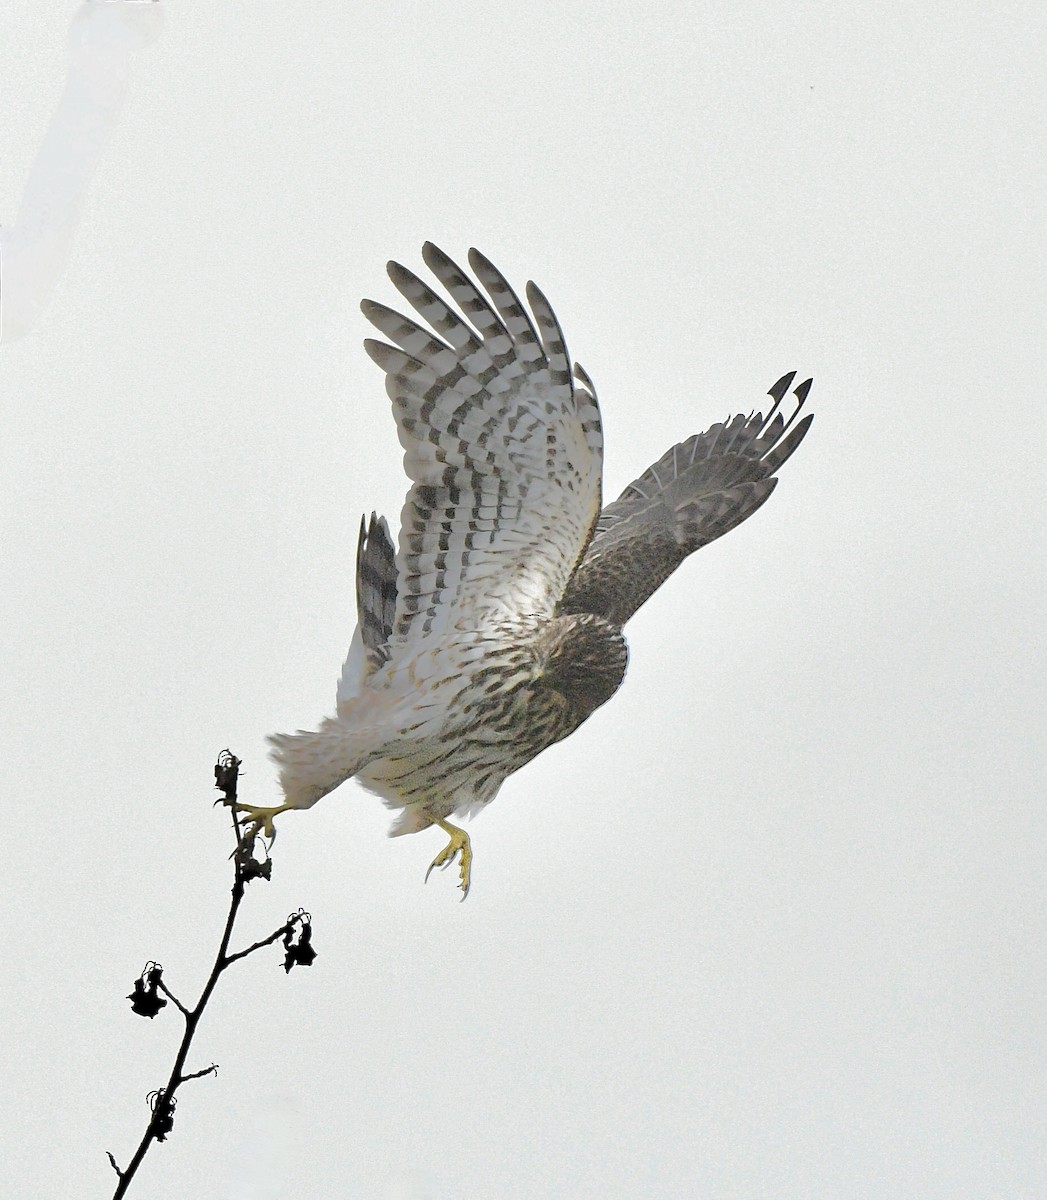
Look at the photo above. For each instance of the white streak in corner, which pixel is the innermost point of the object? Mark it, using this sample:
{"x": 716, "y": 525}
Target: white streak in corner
{"x": 34, "y": 251}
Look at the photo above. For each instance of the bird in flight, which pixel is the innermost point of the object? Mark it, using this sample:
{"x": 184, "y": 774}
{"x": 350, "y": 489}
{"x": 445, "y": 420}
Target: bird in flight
{"x": 494, "y": 629}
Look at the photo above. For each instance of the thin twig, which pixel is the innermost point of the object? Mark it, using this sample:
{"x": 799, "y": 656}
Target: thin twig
{"x": 161, "y": 986}
{"x": 211, "y": 1070}
{"x": 278, "y": 933}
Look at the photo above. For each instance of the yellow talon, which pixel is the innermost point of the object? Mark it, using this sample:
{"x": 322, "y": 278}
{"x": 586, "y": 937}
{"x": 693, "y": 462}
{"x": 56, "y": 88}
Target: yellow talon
{"x": 459, "y": 842}
{"x": 261, "y": 818}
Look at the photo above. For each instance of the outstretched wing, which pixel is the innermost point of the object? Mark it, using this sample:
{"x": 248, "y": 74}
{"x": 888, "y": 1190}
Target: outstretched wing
{"x": 693, "y": 494}
{"x": 503, "y": 448}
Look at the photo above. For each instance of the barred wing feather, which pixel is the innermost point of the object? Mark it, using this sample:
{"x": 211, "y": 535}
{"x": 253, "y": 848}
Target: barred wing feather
{"x": 503, "y": 448}
{"x": 697, "y": 491}
{"x": 375, "y": 587}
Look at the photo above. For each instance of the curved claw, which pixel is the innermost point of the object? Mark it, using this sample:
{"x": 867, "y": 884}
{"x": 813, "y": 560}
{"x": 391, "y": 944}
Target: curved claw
{"x": 443, "y": 860}
{"x": 267, "y": 830}
{"x": 459, "y": 843}
{"x": 434, "y": 863}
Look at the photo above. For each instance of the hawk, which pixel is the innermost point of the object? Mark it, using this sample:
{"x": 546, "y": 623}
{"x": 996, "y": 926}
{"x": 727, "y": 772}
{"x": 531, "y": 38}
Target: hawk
{"x": 495, "y": 627}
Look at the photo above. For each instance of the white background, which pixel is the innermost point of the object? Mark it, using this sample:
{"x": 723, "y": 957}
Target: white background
{"x": 772, "y": 923}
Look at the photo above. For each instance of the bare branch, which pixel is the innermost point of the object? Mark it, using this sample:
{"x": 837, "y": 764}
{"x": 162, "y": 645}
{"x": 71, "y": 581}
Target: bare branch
{"x": 279, "y": 933}
{"x": 211, "y": 1070}
{"x": 162, "y": 987}
{"x": 245, "y": 868}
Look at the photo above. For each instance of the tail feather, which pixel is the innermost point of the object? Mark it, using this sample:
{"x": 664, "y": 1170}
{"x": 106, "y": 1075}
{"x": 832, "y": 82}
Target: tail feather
{"x": 315, "y": 763}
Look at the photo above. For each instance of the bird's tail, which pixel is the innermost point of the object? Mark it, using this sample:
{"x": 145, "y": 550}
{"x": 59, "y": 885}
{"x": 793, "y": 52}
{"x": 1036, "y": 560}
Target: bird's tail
{"x": 315, "y": 763}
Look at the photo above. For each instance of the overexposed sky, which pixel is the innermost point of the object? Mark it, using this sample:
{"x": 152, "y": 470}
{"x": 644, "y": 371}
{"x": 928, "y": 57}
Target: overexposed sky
{"x": 771, "y": 924}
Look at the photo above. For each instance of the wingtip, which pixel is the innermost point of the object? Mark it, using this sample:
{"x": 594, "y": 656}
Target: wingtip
{"x": 377, "y": 351}
{"x": 486, "y": 272}
{"x": 582, "y": 375}
{"x": 434, "y": 258}
{"x": 369, "y": 528}
{"x": 534, "y": 293}
{"x": 801, "y": 395}
{"x": 778, "y": 390}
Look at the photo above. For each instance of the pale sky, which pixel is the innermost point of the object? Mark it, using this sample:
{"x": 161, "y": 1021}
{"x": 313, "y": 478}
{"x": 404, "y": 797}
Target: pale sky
{"x": 772, "y": 923}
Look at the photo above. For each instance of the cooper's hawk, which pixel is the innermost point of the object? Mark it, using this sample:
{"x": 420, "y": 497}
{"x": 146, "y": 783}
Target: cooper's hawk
{"x": 495, "y": 629}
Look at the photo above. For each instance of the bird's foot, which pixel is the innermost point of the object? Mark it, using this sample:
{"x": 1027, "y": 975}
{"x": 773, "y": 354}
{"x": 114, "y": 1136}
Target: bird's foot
{"x": 459, "y": 843}
{"x": 260, "y": 819}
